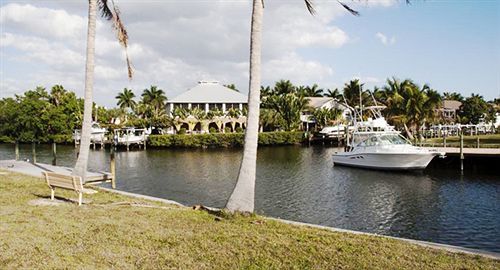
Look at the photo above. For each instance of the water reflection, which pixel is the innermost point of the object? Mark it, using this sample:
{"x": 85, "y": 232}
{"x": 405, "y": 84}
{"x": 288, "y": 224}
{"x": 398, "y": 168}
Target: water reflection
{"x": 301, "y": 183}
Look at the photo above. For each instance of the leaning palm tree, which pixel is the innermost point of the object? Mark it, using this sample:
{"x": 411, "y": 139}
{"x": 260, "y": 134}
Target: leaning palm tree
{"x": 112, "y": 14}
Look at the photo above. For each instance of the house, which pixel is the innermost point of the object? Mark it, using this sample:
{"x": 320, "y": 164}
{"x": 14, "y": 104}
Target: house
{"x": 209, "y": 96}
{"x": 449, "y": 110}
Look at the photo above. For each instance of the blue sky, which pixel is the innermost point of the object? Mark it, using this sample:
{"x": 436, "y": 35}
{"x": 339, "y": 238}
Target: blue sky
{"x": 451, "y": 45}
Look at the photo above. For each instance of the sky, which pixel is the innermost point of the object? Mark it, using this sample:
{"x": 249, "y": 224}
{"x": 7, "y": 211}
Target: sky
{"x": 451, "y": 45}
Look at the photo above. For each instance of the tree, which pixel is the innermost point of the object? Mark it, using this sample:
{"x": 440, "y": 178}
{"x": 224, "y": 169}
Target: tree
{"x": 313, "y": 91}
{"x": 232, "y": 87}
{"x": 335, "y": 94}
{"x": 126, "y": 99}
{"x": 242, "y": 197}
{"x": 109, "y": 14}
{"x": 156, "y": 98}
{"x": 325, "y": 116}
{"x": 473, "y": 109}
{"x": 453, "y": 96}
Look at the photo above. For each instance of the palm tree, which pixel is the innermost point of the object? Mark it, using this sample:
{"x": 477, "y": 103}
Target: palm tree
{"x": 242, "y": 198}
{"x": 126, "y": 99}
{"x": 156, "y": 98}
{"x": 313, "y": 91}
{"x": 335, "y": 94}
{"x": 284, "y": 87}
{"x": 324, "y": 116}
{"x": 109, "y": 14}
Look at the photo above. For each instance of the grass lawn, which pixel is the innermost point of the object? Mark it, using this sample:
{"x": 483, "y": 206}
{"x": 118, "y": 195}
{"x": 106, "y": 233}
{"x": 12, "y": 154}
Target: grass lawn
{"x": 108, "y": 234}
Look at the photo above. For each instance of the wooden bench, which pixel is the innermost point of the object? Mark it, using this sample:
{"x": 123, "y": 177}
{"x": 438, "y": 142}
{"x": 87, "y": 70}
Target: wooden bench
{"x": 57, "y": 180}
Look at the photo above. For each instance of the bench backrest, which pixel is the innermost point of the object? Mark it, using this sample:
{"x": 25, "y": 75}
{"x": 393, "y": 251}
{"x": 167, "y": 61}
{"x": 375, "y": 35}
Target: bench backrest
{"x": 63, "y": 181}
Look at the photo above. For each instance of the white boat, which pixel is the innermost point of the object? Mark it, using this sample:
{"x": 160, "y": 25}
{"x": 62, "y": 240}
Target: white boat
{"x": 97, "y": 134}
{"x": 385, "y": 150}
{"x": 127, "y": 136}
{"x": 375, "y": 144}
{"x": 334, "y": 131}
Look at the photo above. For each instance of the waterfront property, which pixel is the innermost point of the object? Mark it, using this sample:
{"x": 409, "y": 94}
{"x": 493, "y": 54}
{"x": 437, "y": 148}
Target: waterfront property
{"x": 117, "y": 231}
{"x": 209, "y": 96}
{"x": 227, "y": 106}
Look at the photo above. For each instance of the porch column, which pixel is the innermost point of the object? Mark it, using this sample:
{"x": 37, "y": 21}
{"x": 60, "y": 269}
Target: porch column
{"x": 189, "y": 106}
{"x": 241, "y": 106}
{"x": 224, "y": 107}
{"x": 206, "y": 108}
{"x": 171, "y": 105}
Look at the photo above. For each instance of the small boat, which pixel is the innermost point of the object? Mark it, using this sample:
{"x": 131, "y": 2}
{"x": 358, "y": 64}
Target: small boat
{"x": 337, "y": 131}
{"x": 97, "y": 134}
{"x": 375, "y": 144}
{"x": 128, "y": 136}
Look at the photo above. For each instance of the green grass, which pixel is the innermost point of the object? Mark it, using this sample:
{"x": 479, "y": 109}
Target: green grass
{"x": 489, "y": 140}
{"x": 104, "y": 234}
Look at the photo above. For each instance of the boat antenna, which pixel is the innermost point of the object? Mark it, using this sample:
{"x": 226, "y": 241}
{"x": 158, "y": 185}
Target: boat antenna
{"x": 360, "y": 101}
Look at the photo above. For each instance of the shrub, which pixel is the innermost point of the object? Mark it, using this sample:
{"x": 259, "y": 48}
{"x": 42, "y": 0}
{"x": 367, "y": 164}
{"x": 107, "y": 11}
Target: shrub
{"x": 223, "y": 139}
{"x": 239, "y": 130}
{"x": 227, "y": 130}
{"x": 182, "y": 131}
{"x": 212, "y": 130}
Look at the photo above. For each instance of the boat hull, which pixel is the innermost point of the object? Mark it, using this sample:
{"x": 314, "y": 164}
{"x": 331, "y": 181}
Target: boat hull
{"x": 385, "y": 161}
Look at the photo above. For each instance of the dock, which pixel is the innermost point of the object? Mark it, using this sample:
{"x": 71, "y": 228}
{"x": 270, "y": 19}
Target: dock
{"x": 479, "y": 152}
{"x": 36, "y": 169}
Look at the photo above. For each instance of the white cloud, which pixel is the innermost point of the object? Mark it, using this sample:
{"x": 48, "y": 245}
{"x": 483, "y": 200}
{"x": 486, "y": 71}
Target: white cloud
{"x": 174, "y": 46}
{"x": 384, "y": 39}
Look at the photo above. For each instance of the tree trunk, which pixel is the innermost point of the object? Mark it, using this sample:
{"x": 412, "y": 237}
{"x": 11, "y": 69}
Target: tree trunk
{"x": 83, "y": 157}
{"x": 242, "y": 198}
{"x": 408, "y": 132}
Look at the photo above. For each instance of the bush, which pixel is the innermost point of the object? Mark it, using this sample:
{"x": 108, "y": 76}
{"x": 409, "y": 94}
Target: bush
{"x": 212, "y": 130}
{"x": 62, "y": 138}
{"x": 223, "y": 139}
{"x": 227, "y": 130}
{"x": 239, "y": 130}
{"x": 182, "y": 131}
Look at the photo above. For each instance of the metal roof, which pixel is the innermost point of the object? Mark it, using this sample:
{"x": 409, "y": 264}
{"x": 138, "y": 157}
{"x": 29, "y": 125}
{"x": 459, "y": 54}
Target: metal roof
{"x": 210, "y": 92}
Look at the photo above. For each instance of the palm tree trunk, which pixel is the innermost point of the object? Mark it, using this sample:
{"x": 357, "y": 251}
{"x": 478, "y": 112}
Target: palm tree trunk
{"x": 242, "y": 198}
{"x": 83, "y": 157}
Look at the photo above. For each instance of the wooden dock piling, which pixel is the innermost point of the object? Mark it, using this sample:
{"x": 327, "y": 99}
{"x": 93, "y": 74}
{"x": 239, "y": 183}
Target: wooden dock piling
{"x": 17, "y": 150}
{"x": 112, "y": 166}
{"x": 54, "y": 154}
{"x": 33, "y": 152}
{"x": 461, "y": 151}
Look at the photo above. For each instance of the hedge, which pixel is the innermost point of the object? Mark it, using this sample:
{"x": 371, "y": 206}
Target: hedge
{"x": 223, "y": 139}
{"x": 58, "y": 138}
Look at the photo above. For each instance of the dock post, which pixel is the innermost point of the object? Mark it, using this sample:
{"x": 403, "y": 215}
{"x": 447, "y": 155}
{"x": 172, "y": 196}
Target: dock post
{"x": 477, "y": 142}
{"x": 145, "y": 140}
{"x": 17, "y": 150}
{"x": 112, "y": 167}
{"x": 346, "y": 146}
{"x": 33, "y": 152}
{"x": 461, "y": 151}
{"x": 54, "y": 154}
{"x": 444, "y": 141}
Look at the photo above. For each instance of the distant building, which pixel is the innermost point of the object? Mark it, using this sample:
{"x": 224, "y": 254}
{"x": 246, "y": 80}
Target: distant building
{"x": 449, "y": 110}
{"x": 207, "y": 96}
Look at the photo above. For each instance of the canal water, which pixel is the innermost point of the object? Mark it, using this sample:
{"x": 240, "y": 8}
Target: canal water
{"x": 300, "y": 183}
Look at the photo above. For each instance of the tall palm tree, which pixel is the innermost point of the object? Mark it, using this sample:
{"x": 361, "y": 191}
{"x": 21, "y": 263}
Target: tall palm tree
{"x": 156, "y": 98}
{"x": 126, "y": 99}
{"x": 242, "y": 198}
{"x": 335, "y": 94}
{"x": 110, "y": 14}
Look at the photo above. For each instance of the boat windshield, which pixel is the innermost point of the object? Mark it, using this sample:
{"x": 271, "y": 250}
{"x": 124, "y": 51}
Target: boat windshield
{"x": 387, "y": 139}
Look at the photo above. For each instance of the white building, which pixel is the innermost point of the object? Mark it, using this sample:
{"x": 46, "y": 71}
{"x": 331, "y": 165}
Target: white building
{"x": 209, "y": 95}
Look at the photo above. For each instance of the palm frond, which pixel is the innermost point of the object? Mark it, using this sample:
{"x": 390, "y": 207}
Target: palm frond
{"x": 310, "y": 6}
{"x": 352, "y": 11}
{"x": 121, "y": 32}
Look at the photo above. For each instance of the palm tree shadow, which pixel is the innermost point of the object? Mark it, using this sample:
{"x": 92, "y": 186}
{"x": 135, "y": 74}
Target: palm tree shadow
{"x": 56, "y": 198}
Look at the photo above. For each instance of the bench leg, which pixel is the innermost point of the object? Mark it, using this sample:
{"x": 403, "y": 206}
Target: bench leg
{"x": 80, "y": 198}
{"x": 52, "y": 191}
